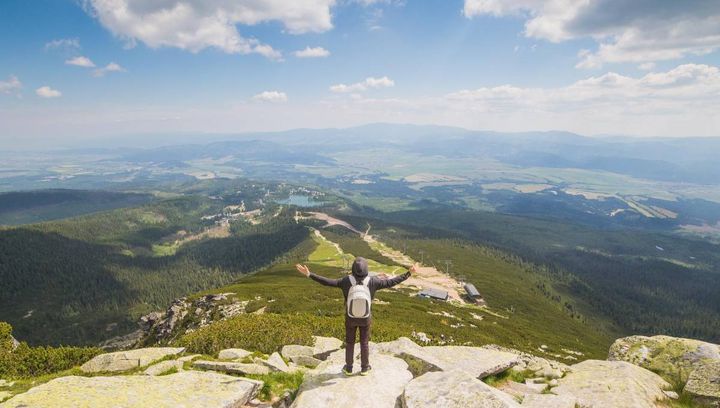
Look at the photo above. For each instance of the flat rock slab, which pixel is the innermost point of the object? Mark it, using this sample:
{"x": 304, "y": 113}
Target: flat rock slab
{"x": 548, "y": 401}
{"x": 479, "y": 362}
{"x": 704, "y": 384}
{"x": 453, "y": 389}
{"x": 164, "y": 367}
{"x": 617, "y": 384}
{"x": 128, "y": 360}
{"x": 293, "y": 350}
{"x": 325, "y": 345}
{"x": 475, "y": 361}
{"x": 189, "y": 389}
{"x": 233, "y": 354}
{"x": 231, "y": 367}
{"x": 327, "y": 386}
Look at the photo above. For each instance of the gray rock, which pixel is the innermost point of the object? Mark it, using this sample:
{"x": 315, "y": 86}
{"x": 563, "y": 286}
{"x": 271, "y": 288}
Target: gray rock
{"x": 617, "y": 384}
{"x": 479, "y": 362}
{"x": 190, "y": 357}
{"x": 195, "y": 389}
{"x": 293, "y": 350}
{"x": 324, "y": 346}
{"x": 233, "y": 354}
{"x": 164, "y": 366}
{"x": 519, "y": 390}
{"x": 551, "y": 373}
{"x": 306, "y": 361}
{"x": 665, "y": 355}
{"x": 453, "y": 389}
{"x": 128, "y": 360}
{"x": 275, "y": 363}
{"x": 549, "y": 401}
{"x": 326, "y": 386}
{"x": 704, "y": 384}
{"x": 231, "y": 367}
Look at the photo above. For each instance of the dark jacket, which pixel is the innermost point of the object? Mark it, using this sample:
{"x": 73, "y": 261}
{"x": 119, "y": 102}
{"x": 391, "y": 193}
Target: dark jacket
{"x": 374, "y": 285}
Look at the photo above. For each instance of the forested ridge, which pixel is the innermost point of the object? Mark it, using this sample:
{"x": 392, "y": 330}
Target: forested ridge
{"x": 82, "y": 280}
{"x": 643, "y": 283}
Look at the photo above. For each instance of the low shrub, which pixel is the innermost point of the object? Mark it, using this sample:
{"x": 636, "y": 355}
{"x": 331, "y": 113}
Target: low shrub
{"x": 26, "y": 361}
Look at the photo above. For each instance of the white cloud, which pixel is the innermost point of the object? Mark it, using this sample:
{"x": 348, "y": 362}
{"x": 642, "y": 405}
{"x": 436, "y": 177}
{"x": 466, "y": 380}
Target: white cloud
{"x": 81, "y": 62}
{"x": 64, "y": 44}
{"x": 194, "y": 25}
{"x": 626, "y": 31}
{"x": 12, "y": 85}
{"x": 647, "y": 66}
{"x": 111, "y": 67}
{"x": 271, "y": 96}
{"x": 315, "y": 52}
{"x": 47, "y": 92}
{"x": 368, "y": 83}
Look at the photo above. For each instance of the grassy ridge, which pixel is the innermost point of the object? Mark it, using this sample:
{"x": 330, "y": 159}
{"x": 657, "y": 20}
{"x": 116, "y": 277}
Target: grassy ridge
{"x": 307, "y": 308}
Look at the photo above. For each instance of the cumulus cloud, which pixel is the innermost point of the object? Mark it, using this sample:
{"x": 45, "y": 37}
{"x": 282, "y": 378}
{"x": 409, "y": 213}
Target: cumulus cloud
{"x": 111, "y": 67}
{"x": 11, "y": 85}
{"x": 315, "y": 52}
{"x": 368, "y": 83}
{"x": 635, "y": 31}
{"x": 47, "y": 92}
{"x": 81, "y": 61}
{"x": 194, "y": 25}
{"x": 271, "y": 96}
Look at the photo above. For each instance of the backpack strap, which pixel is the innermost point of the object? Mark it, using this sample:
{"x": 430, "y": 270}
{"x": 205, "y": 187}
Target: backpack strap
{"x": 353, "y": 282}
{"x": 366, "y": 281}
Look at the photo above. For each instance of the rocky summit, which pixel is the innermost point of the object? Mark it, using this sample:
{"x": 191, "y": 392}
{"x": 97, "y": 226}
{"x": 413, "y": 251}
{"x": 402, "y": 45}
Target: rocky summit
{"x": 404, "y": 374}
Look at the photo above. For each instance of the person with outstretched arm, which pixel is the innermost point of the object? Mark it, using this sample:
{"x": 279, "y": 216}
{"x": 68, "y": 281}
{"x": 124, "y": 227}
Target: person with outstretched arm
{"x": 358, "y": 289}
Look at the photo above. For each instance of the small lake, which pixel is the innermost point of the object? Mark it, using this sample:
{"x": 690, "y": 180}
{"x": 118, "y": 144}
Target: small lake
{"x": 300, "y": 200}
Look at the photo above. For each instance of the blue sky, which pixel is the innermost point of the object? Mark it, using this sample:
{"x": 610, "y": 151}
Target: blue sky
{"x": 74, "y": 70}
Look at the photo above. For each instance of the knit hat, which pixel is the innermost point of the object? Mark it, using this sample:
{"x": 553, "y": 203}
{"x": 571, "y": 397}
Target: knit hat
{"x": 360, "y": 267}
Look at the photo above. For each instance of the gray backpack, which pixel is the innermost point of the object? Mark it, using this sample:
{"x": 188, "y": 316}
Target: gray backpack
{"x": 359, "y": 300}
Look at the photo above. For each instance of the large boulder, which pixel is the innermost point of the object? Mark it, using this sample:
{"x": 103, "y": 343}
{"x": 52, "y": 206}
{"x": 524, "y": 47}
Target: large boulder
{"x": 617, "y": 384}
{"x": 291, "y": 351}
{"x": 704, "y": 384}
{"x": 187, "y": 389}
{"x": 479, "y": 362}
{"x": 671, "y": 357}
{"x": 274, "y": 362}
{"x": 452, "y": 389}
{"x": 325, "y": 345}
{"x": 128, "y": 360}
{"x": 327, "y": 386}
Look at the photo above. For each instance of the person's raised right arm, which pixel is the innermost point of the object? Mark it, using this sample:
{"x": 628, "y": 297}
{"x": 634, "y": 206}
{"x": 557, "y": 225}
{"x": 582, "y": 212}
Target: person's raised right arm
{"x": 303, "y": 269}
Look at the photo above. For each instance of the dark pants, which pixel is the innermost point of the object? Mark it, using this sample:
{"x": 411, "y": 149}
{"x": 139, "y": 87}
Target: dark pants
{"x": 350, "y": 328}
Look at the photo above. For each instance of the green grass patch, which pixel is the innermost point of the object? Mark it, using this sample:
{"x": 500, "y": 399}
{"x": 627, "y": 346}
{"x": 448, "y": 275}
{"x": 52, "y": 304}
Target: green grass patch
{"x": 276, "y": 384}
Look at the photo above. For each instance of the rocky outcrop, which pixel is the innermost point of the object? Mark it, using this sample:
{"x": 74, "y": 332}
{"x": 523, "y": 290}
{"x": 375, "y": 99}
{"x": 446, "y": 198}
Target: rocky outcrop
{"x": 186, "y": 389}
{"x": 617, "y": 384}
{"x": 326, "y": 386}
{"x": 323, "y": 346}
{"x": 671, "y": 357}
{"x": 128, "y": 360}
{"x": 453, "y": 389}
{"x": 704, "y": 384}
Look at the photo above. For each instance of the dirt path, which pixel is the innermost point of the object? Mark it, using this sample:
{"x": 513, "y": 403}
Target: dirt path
{"x": 427, "y": 276}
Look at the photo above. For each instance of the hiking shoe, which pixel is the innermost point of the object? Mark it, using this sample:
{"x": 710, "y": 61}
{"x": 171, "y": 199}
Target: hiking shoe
{"x": 366, "y": 371}
{"x": 347, "y": 370}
